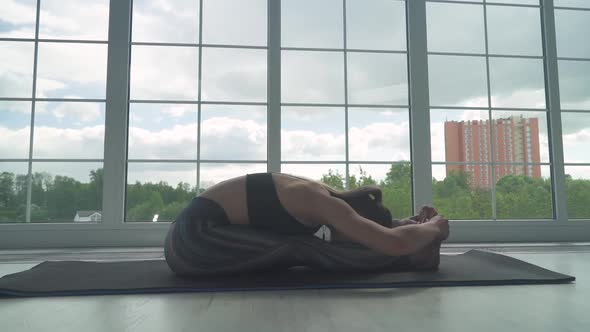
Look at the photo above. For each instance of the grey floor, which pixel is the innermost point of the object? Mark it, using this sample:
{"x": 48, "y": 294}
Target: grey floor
{"x": 555, "y": 308}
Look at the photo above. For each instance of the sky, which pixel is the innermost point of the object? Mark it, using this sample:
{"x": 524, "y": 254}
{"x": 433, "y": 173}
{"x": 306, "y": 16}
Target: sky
{"x": 170, "y": 131}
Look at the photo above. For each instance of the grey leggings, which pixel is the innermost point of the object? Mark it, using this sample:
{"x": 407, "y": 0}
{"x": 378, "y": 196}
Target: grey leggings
{"x": 201, "y": 246}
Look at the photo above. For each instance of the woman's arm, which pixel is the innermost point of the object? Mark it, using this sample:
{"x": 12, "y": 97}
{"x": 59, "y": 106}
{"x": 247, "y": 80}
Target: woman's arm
{"x": 398, "y": 241}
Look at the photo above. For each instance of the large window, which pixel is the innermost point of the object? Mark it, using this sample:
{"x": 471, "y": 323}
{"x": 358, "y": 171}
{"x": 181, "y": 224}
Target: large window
{"x": 344, "y": 95}
{"x": 573, "y": 52}
{"x": 197, "y": 113}
{"x": 136, "y": 106}
{"x": 53, "y": 57}
{"x": 490, "y": 148}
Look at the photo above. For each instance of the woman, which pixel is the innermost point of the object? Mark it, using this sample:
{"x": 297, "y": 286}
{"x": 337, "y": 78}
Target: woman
{"x": 267, "y": 221}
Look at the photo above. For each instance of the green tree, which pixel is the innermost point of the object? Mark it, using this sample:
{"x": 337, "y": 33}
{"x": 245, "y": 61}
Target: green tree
{"x": 396, "y": 187}
{"x": 578, "y": 197}
{"x": 363, "y": 180}
{"x": 147, "y": 209}
{"x": 334, "y": 179}
{"x": 6, "y": 189}
{"x": 523, "y": 197}
{"x": 397, "y": 190}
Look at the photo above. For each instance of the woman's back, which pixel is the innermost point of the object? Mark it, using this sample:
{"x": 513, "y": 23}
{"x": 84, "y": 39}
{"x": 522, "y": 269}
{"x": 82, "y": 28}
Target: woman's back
{"x": 232, "y": 196}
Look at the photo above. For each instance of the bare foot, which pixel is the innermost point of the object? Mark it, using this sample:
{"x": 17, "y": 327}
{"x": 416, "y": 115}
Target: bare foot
{"x": 427, "y": 258}
{"x": 403, "y": 222}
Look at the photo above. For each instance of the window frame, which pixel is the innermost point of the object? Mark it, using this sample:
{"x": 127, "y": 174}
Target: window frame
{"x": 112, "y": 230}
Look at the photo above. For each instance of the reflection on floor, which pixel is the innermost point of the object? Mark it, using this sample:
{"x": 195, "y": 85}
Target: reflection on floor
{"x": 491, "y": 308}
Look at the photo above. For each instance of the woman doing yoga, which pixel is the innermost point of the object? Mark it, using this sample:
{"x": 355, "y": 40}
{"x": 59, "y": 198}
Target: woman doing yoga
{"x": 267, "y": 221}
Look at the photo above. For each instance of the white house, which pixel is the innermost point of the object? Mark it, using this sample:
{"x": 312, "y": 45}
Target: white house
{"x": 88, "y": 216}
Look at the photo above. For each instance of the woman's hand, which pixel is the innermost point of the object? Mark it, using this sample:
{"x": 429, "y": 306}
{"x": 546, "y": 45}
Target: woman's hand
{"x": 425, "y": 213}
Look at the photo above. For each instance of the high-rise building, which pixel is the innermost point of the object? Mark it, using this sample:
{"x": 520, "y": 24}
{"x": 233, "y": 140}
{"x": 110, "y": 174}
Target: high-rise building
{"x": 515, "y": 140}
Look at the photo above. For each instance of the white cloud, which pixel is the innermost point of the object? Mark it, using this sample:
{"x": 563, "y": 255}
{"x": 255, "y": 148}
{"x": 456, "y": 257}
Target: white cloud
{"x": 16, "y": 69}
{"x": 520, "y": 98}
{"x": 8, "y": 148}
{"x": 314, "y": 77}
{"x": 575, "y": 146}
{"x": 16, "y": 107}
{"x": 230, "y": 139}
{"x": 166, "y": 21}
{"x": 234, "y": 75}
{"x": 380, "y": 141}
{"x": 312, "y": 171}
{"x": 50, "y": 142}
{"x": 85, "y": 112}
{"x": 309, "y": 145}
{"x": 176, "y": 111}
{"x": 393, "y": 94}
{"x": 177, "y": 142}
{"x": 172, "y": 173}
{"x": 159, "y": 72}
{"x": 578, "y": 172}
{"x": 73, "y": 19}
{"x": 235, "y": 22}
{"x": 17, "y": 12}
{"x": 45, "y": 86}
{"x": 84, "y": 63}
{"x": 215, "y": 173}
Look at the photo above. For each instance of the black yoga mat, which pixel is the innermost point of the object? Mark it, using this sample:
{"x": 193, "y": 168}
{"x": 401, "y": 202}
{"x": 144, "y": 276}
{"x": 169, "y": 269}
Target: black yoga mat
{"x": 473, "y": 268}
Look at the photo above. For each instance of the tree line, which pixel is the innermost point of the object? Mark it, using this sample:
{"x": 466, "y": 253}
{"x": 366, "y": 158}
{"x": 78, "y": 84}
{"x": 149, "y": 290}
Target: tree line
{"x": 58, "y": 198}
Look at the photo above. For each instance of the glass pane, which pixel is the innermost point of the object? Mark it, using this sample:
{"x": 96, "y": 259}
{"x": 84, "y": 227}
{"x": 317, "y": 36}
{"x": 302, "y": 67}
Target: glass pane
{"x": 571, "y": 32}
{"x": 66, "y": 192}
{"x": 159, "y": 191}
{"x": 13, "y": 192}
{"x": 517, "y": 82}
{"x": 577, "y": 182}
{"x": 574, "y": 80}
{"x": 69, "y": 130}
{"x": 457, "y": 81}
{"x": 18, "y": 19}
{"x": 520, "y": 137}
{"x": 16, "y": 69}
{"x": 74, "y": 19}
{"x": 523, "y": 192}
{"x": 212, "y": 174}
{"x": 152, "y": 65}
{"x": 375, "y": 78}
{"x": 233, "y": 132}
{"x": 460, "y": 136}
{"x": 517, "y": 2}
{"x": 378, "y": 134}
{"x": 234, "y": 74}
{"x": 455, "y": 28}
{"x": 15, "y": 129}
{"x": 163, "y": 131}
{"x": 333, "y": 175}
{"x": 462, "y": 191}
{"x": 312, "y": 133}
{"x": 514, "y": 30}
{"x": 312, "y": 77}
{"x": 234, "y": 22}
{"x": 376, "y": 25}
{"x": 312, "y": 23}
{"x": 173, "y": 21}
{"x": 572, "y": 3}
{"x": 576, "y": 137}
{"x": 395, "y": 182}
{"x": 71, "y": 70}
